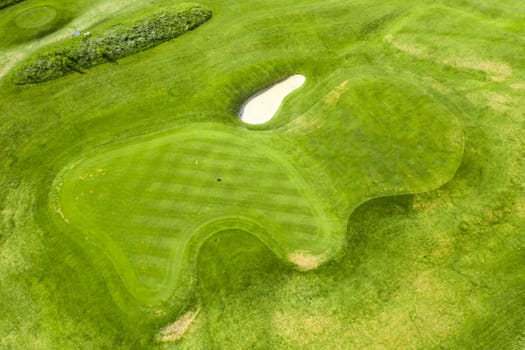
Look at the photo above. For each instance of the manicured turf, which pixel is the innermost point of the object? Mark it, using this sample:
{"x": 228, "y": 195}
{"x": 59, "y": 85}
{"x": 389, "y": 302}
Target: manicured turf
{"x": 146, "y": 201}
{"x": 133, "y": 193}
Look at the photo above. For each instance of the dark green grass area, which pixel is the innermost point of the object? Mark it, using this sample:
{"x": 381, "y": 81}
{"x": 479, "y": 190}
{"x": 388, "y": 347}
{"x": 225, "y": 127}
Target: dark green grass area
{"x": 431, "y": 116}
{"x": 31, "y": 20}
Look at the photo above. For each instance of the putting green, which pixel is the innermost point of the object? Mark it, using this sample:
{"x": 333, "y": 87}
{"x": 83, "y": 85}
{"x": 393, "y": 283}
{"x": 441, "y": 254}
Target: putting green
{"x": 36, "y": 17}
{"x": 145, "y": 201}
{"x": 150, "y": 204}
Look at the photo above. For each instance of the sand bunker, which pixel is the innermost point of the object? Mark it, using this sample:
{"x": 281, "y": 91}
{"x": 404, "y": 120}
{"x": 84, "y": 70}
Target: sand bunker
{"x": 261, "y": 107}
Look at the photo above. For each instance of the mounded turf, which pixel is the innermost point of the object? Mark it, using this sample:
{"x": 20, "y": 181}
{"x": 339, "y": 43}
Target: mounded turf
{"x": 397, "y": 168}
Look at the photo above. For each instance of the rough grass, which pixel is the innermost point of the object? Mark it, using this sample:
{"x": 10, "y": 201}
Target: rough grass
{"x": 441, "y": 268}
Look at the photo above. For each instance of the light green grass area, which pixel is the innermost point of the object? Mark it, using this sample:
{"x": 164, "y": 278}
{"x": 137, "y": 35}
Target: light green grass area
{"x": 382, "y": 208}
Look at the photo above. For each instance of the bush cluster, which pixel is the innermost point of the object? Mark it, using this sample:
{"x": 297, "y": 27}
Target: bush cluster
{"x": 5, "y": 3}
{"x": 78, "y": 54}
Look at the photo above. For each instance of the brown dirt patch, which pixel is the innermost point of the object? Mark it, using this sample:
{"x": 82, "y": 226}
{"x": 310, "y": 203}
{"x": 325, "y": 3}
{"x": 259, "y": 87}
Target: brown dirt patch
{"x": 176, "y": 330}
{"x": 305, "y": 261}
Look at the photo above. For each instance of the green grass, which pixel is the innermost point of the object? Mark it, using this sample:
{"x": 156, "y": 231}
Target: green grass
{"x": 120, "y": 38}
{"x": 33, "y": 20}
{"x": 399, "y": 164}
{"x": 35, "y": 17}
{"x": 7, "y": 3}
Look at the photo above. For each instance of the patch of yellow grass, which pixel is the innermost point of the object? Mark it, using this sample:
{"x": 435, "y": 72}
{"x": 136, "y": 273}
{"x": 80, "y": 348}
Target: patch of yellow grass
{"x": 444, "y": 246}
{"x": 405, "y": 324}
{"x": 92, "y": 174}
{"x": 61, "y": 214}
{"x": 305, "y": 261}
{"x": 518, "y": 86}
{"x": 412, "y": 50}
{"x": 520, "y": 207}
{"x": 333, "y": 96}
{"x": 304, "y": 125}
{"x": 7, "y": 212}
{"x": 177, "y": 329}
{"x": 436, "y": 85}
{"x": 497, "y": 71}
{"x": 308, "y": 123}
{"x": 428, "y": 202}
{"x": 304, "y": 328}
{"x": 497, "y": 101}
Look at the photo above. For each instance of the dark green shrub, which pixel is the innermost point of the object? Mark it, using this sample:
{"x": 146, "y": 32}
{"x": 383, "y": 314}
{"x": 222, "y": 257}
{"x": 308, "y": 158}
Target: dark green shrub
{"x": 78, "y": 54}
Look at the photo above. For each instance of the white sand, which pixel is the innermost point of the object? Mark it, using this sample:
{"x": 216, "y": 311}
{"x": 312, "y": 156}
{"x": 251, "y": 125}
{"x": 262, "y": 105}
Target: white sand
{"x": 262, "y": 106}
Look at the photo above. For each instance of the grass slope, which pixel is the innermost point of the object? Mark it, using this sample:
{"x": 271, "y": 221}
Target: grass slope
{"x": 399, "y": 94}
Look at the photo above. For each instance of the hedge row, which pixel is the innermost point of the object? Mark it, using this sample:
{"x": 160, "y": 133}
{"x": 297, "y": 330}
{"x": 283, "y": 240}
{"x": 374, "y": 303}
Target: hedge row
{"x": 5, "y": 3}
{"x": 78, "y": 54}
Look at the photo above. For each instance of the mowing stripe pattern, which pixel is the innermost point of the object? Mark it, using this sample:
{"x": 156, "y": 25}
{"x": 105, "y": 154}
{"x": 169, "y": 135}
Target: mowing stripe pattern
{"x": 149, "y": 199}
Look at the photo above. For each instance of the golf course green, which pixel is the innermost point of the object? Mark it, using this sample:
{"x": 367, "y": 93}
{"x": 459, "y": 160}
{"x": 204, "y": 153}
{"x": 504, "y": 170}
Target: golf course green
{"x": 381, "y": 207}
